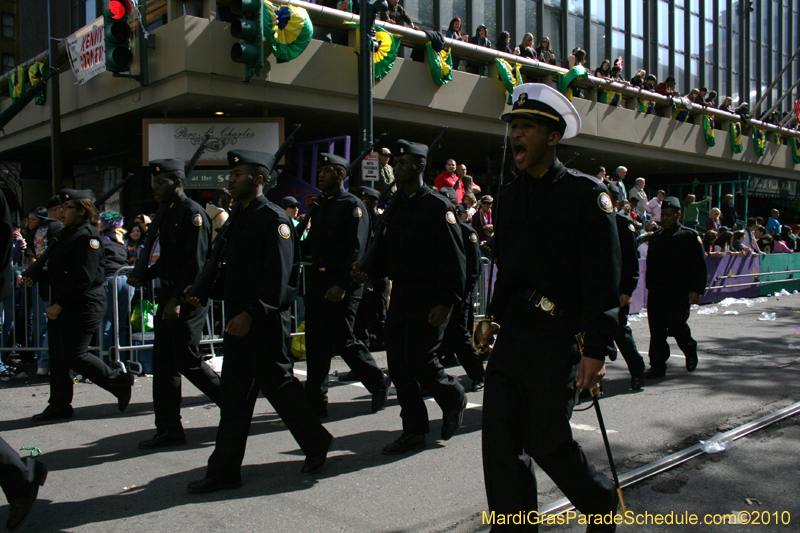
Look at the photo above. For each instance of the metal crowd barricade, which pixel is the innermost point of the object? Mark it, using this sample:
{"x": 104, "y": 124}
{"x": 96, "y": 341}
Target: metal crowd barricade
{"x": 481, "y": 290}
{"x": 18, "y": 307}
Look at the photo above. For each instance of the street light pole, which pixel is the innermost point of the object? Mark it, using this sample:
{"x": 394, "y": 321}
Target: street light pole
{"x": 366, "y": 76}
{"x": 55, "y": 104}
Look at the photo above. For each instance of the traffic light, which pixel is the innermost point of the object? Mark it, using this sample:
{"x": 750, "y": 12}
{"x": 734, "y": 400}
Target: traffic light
{"x": 118, "y": 34}
{"x": 248, "y": 28}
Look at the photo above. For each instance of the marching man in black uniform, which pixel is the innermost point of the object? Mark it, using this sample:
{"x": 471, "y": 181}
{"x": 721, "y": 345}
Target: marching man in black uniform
{"x": 676, "y": 277}
{"x": 262, "y": 263}
{"x": 339, "y": 232}
{"x": 543, "y": 301}
{"x": 184, "y": 235}
{"x": 629, "y": 272}
{"x": 423, "y": 254}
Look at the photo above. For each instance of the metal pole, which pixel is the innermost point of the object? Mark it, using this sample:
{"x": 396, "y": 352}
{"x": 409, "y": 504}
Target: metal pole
{"x": 774, "y": 83}
{"x": 144, "y": 72}
{"x": 782, "y": 98}
{"x": 365, "y": 78}
{"x": 55, "y": 103}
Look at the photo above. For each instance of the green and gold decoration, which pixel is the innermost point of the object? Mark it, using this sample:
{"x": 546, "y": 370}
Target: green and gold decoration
{"x": 287, "y": 29}
{"x": 708, "y": 128}
{"x": 611, "y": 98}
{"x": 509, "y": 75}
{"x": 440, "y": 64}
{"x": 16, "y": 83}
{"x": 386, "y": 54}
{"x": 777, "y": 138}
{"x": 681, "y": 115}
{"x": 35, "y": 74}
{"x": 794, "y": 147}
{"x": 759, "y": 141}
{"x": 646, "y": 106}
{"x": 736, "y": 137}
{"x": 577, "y": 72}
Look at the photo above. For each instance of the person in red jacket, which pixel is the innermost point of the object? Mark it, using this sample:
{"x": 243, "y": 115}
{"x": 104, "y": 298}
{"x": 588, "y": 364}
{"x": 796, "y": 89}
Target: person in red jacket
{"x": 449, "y": 178}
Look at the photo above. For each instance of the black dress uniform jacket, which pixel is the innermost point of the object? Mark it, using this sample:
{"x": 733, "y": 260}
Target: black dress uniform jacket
{"x": 676, "y": 260}
{"x": 629, "y": 274}
{"x": 116, "y": 256}
{"x": 76, "y": 266}
{"x": 585, "y": 289}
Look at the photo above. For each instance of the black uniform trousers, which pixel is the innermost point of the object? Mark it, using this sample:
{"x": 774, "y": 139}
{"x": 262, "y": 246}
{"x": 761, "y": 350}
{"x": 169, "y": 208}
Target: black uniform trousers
{"x": 253, "y": 363}
{"x": 176, "y": 351}
{"x": 370, "y": 325}
{"x": 329, "y": 332}
{"x": 667, "y": 314}
{"x": 527, "y": 404}
{"x": 627, "y": 346}
{"x": 16, "y": 474}
{"x": 411, "y": 347}
{"x": 70, "y": 335}
{"x": 458, "y": 340}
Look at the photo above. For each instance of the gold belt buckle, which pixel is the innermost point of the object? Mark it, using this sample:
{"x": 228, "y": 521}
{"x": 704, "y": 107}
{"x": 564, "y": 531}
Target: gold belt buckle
{"x": 322, "y": 269}
{"x": 546, "y": 305}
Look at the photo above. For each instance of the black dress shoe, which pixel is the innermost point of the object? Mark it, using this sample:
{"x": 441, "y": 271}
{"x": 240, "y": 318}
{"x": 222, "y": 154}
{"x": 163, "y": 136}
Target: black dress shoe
{"x": 653, "y": 373}
{"x": 347, "y": 376}
{"x": 691, "y": 362}
{"x": 211, "y": 485}
{"x": 637, "y": 383}
{"x": 406, "y": 443}
{"x": 381, "y": 395}
{"x": 166, "y": 438}
{"x": 53, "y": 414}
{"x": 451, "y": 420}
{"x": 477, "y": 386}
{"x": 314, "y": 463}
{"x": 20, "y": 508}
{"x": 125, "y": 389}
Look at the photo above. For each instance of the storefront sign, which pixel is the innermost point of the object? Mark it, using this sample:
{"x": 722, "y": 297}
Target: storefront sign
{"x": 180, "y": 138}
{"x": 774, "y": 187}
{"x": 207, "y": 179}
{"x": 86, "y": 51}
{"x": 370, "y": 167}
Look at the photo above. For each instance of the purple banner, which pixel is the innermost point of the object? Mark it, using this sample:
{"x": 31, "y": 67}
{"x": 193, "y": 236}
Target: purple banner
{"x": 731, "y": 266}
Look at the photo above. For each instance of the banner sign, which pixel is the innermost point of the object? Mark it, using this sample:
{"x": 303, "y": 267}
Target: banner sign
{"x": 86, "y": 51}
{"x": 207, "y": 179}
{"x": 179, "y": 138}
{"x": 731, "y": 265}
{"x": 774, "y": 187}
{"x": 370, "y": 167}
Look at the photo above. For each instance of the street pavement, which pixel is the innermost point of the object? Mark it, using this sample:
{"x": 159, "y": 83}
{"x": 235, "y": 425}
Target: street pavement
{"x": 100, "y": 481}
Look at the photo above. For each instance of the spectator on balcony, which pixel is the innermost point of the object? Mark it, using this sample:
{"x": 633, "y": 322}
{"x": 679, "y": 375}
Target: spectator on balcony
{"x": 604, "y": 70}
{"x": 713, "y": 222}
{"x": 666, "y": 87}
{"x": 482, "y": 220}
{"x": 722, "y": 245}
{"x": 709, "y": 238}
{"x": 765, "y": 243}
{"x": 616, "y": 74}
{"x": 696, "y": 98}
{"x": 544, "y": 52}
{"x": 729, "y": 214}
{"x": 637, "y": 191}
{"x": 789, "y": 238}
{"x": 654, "y": 206}
{"x": 750, "y": 238}
{"x": 396, "y": 14}
{"x": 525, "y": 48}
{"x": 638, "y": 79}
{"x": 650, "y": 83}
{"x": 780, "y": 246}
{"x": 727, "y": 105}
{"x": 691, "y": 218}
{"x": 617, "y": 179}
{"x": 503, "y": 43}
{"x": 481, "y": 39}
{"x": 743, "y": 111}
{"x": 738, "y": 243}
{"x": 454, "y": 32}
{"x": 449, "y": 178}
{"x": 773, "y": 224}
{"x": 703, "y": 93}
{"x": 711, "y": 99}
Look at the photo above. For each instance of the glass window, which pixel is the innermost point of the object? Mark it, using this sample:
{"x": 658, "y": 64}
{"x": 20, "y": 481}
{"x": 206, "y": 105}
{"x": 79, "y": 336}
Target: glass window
{"x": 618, "y": 13}
{"x": 637, "y": 55}
{"x": 753, "y": 90}
{"x": 736, "y": 65}
{"x": 694, "y": 6}
{"x": 708, "y": 9}
{"x": 694, "y": 34}
{"x": 709, "y": 81}
{"x": 421, "y": 12}
{"x": 598, "y": 10}
{"x": 527, "y": 8}
{"x": 754, "y": 24}
{"x": 680, "y": 73}
{"x": 663, "y": 63}
{"x": 8, "y": 25}
{"x": 709, "y": 42}
{"x": 776, "y": 23}
{"x": 723, "y": 85}
{"x": 680, "y": 34}
{"x": 8, "y": 62}
{"x": 575, "y": 38}
{"x": 552, "y": 29}
{"x": 723, "y": 48}
{"x": 485, "y": 11}
{"x": 735, "y": 87}
{"x": 663, "y": 23}
{"x": 637, "y": 21}
{"x": 694, "y": 76}
{"x": 556, "y": 3}
{"x": 765, "y": 22}
{"x": 449, "y": 9}
{"x": 787, "y": 17}
{"x": 91, "y": 10}
{"x": 617, "y": 45}
{"x": 576, "y": 6}
{"x": 598, "y": 44}
{"x": 765, "y": 64}
{"x": 736, "y": 17}
{"x": 679, "y": 3}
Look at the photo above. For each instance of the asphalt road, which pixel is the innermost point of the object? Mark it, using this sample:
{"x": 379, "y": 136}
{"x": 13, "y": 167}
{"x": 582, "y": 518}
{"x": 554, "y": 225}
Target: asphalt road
{"x": 99, "y": 481}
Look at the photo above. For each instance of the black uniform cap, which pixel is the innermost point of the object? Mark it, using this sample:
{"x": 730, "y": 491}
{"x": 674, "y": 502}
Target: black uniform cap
{"x": 289, "y": 201}
{"x": 55, "y": 201}
{"x": 161, "y": 166}
{"x": 75, "y": 194}
{"x": 251, "y": 157}
{"x": 409, "y": 148}
{"x": 368, "y": 192}
{"x": 333, "y": 159}
{"x": 670, "y": 201}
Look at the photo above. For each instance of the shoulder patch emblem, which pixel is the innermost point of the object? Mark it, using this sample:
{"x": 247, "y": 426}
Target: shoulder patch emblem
{"x": 94, "y": 243}
{"x": 357, "y": 212}
{"x": 284, "y": 231}
{"x": 630, "y": 227}
{"x": 604, "y": 201}
{"x": 197, "y": 220}
{"x": 451, "y": 218}
{"x": 473, "y": 237}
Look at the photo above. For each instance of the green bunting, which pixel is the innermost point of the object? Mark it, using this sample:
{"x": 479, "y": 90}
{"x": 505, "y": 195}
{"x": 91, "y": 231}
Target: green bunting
{"x": 794, "y": 147}
{"x": 708, "y": 128}
{"x": 35, "y": 74}
{"x": 386, "y": 54}
{"x": 759, "y": 141}
{"x": 509, "y": 75}
{"x": 736, "y": 137}
{"x": 611, "y": 98}
{"x": 16, "y": 83}
{"x": 577, "y": 72}
{"x": 287, "y": 30}
{"x": 646, "y": 106}
{"x": 440, "y": 65}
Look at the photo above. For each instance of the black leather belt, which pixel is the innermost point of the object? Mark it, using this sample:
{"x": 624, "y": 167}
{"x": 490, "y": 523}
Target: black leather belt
{"x": 536, "y": 299}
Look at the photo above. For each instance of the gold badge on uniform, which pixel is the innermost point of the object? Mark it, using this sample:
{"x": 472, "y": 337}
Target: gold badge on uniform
{"x": 630, "y": 227}
{"x": 473, "y": 237}
{"x": 197, "y": 220}
{"x": 604, "y": 201}
{"x": 94, "y": 243}
{"x": 284, "y": 231}
{"x": 357, "y": 212}
{"x": 236, "y": 159}
{"x": 158, "y": 169}
{"x": 451, "y": 218}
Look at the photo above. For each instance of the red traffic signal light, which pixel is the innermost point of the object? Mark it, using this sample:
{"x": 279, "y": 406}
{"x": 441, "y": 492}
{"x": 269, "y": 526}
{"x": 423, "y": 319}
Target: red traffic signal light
{"x": 119, "y": 9}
